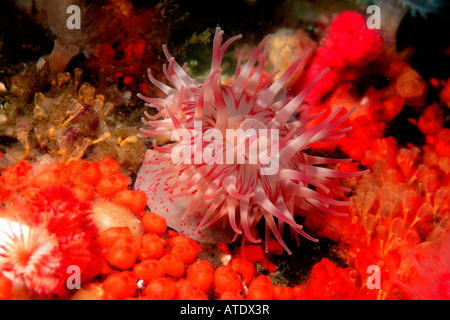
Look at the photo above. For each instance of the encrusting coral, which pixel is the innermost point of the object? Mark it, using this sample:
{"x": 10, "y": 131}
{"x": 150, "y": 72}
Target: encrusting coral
{"x": 51, "y": 217}
{"x": 70, "y": 121}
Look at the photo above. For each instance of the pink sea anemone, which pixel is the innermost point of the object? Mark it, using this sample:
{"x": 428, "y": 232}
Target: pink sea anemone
{"x": 210, "y": 183}
{"x": 40, "y": 240}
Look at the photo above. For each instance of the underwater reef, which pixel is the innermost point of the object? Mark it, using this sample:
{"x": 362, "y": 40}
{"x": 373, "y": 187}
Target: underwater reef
{"x": 294, "y": 150}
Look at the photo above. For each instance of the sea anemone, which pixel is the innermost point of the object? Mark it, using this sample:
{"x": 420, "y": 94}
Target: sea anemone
{"x": 39, "y": 241}
{"x": 243, "y": 151}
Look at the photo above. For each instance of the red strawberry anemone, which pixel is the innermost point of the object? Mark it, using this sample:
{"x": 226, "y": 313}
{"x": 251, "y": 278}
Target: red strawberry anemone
{"x": 40, "y": 241}
{"x": 242, "y": 151}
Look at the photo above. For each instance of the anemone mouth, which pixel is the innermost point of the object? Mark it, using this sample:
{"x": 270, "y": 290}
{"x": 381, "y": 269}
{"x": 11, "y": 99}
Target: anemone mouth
{"x": 15, "y": 246}
{"x": 231, "y": 185}
{"x": 28, "y": 253}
